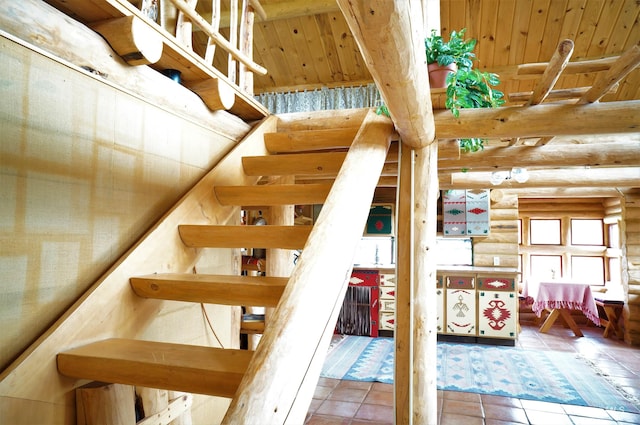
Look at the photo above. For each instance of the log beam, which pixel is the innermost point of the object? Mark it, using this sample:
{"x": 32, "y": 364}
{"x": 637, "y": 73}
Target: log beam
{"x": 390, "y": 35}
{"x": 552, "y": 155}
{"x": 558, "y": 178}
{"x": 540, "y": 121}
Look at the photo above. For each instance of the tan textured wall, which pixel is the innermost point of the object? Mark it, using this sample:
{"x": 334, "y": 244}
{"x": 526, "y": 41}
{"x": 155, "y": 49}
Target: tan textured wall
{"x": 85, "y": 169}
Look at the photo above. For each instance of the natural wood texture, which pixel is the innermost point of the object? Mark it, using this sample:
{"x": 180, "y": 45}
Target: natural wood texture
{"x": 151, "y": 400}
{"x": 40, "y": 24}
{"x": 300, "y": 163}
{"x": 631, "y": 266}
{"x": 304, "y": 320}
{"x": 183, "y": 6}
{"x": 560, "y": 94}
{"x": 424, "y": 390}
{"x": 105, "y": 404}
{"x": 565, "y": 314}
{"x": 541, "y": 120}
{"x": 558, "y": 178}
{"x": 193, "y": 69}
{"x": 218, "y": 236}
{"x": 292, "y": 194}
{"x": 177, "y": 412}
{"x": 203, "y": 370}
{"x": 566, "y": 155}
{"x": 159, "y": 250}
{"x": 396, "y": 55}
{"x": 502, "y": 240}
{"x": 213, "y": 289}
{"x": 132, "y": 39}
{"x": 403, "y": 374}
{"x": 557, "y": 64}
{"x": 309, "y": 140}
{"x": 620, "y": 69}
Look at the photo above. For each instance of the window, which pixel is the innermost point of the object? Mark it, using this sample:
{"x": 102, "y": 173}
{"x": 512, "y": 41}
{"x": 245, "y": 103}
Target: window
{"x": 568, "y": 239}
{"x": 587, "y": 269}
{"x": 545, "y": 232}
{"x": 454, "y": 252}
{"x": 545, "y": 267}
{"x": 375, "y": 251}
{"x": 587, "y": 232}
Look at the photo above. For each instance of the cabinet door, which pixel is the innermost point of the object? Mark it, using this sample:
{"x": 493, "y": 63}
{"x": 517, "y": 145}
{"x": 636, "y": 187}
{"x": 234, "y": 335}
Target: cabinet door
{"x": 461, "y": 311}
{"x": 497, "y": 314}
{"x": 440, "y": 303}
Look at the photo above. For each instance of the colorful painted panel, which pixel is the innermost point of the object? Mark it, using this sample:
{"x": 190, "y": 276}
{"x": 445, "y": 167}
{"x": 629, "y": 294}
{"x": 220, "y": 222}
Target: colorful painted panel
{"x": 380, "y": 221}
{"x": 461, "y": 312}
{"x": 477, "y": 212}
{"x": 496, "y": 283}
{"x": 454, "y": 221}
{"x": 497, "y": 315}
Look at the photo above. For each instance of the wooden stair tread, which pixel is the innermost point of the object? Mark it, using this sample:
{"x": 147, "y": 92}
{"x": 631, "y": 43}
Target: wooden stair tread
{"x": 214, "y": 289}
{"x": 190, "y": 368}
{"x": 219, "y": 236}
{"x": 282, "y": 194}
{"x": 323, "y": 163}
{"x": 310, "y": 140}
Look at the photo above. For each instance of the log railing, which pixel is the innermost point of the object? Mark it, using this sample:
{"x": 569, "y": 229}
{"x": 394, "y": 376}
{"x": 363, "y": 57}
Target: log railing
{"x": 180, "y": 18}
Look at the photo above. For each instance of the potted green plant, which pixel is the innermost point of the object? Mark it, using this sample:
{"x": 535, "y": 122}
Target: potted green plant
{"x": 466, "y": 87}
{"x": 472, "y": 88}
{"x": 445, "y": 57}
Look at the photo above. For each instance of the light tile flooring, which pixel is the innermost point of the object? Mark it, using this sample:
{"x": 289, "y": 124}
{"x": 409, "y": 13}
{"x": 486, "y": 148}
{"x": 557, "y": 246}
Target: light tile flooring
{"x": 360, "y": 403}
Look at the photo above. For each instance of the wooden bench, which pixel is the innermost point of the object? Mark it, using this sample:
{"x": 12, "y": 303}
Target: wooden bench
{"x": 612, "y": 310}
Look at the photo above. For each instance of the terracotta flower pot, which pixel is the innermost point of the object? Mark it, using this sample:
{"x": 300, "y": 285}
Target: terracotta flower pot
{"x": 438, "y": 74}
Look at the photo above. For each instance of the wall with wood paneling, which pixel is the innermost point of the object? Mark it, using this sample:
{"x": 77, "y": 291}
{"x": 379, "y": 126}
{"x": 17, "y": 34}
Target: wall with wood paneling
{"x": 86, "y": 168}
{"x": 631, "y": 266}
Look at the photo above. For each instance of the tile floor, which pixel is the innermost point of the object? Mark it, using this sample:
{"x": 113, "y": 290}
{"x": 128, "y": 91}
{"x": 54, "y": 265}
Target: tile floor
{"x": 360, "y": 403}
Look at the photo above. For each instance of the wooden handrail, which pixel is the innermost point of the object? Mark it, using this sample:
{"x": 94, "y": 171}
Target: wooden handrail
{"x": 275, "y": 389}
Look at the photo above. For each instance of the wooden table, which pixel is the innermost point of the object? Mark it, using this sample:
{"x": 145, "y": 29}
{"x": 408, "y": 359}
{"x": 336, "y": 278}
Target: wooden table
{"x": 560, "y": 298}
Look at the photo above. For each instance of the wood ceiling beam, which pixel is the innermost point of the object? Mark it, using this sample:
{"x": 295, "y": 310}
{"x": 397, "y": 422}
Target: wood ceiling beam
{"x": 566, "y": 155}
{"x": 540, "y": 121}
{"x": 556, "y": 178}
{"x": 390, "y": 36}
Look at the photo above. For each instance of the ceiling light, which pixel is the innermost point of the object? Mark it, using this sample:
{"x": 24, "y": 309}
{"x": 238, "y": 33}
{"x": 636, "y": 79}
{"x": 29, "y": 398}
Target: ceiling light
{"x": 518, "y": 174}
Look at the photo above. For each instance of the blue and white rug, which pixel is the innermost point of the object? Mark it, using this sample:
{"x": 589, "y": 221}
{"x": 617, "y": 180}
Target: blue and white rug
{"x": 553, "y": 376}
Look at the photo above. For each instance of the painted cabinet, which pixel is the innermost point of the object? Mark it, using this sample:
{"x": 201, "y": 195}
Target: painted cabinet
{"x": 387, "y": 301}
{"x": 480, "y": 302}
{"x": 465, "y": 212}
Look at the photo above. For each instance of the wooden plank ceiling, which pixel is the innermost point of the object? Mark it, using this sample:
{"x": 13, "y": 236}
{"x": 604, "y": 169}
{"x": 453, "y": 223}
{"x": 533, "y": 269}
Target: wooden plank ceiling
{"x": 307, "y": 44}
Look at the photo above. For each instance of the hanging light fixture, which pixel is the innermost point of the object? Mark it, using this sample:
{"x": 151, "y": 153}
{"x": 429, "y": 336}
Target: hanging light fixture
{"x": 518, "y": 174}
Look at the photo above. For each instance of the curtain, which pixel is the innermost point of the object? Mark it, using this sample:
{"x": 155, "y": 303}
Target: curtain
{"x": 321, "y": 99}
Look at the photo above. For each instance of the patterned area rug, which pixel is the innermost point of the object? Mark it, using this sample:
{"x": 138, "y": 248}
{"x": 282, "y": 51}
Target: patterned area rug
{"x": 557, "y": 377}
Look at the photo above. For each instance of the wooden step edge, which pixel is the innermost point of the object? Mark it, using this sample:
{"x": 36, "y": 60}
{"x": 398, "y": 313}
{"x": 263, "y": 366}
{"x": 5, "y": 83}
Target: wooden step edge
{"x": 189, "y": 368}
{"x": 291, "y": 164}
{"x": 219, "y": 236}
{"x": 272, "y": 195}
{"x": 212, "y": 289}
{"x": 252, "y": 324}
{"x": 310, "y": 140}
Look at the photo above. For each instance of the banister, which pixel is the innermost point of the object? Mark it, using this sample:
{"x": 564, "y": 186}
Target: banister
{"x": 278, "y": 385}
{"x": 219, "y": 40}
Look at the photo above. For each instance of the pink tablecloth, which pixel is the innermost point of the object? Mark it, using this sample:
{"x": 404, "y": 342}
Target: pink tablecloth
{"x": 575, "y": 296}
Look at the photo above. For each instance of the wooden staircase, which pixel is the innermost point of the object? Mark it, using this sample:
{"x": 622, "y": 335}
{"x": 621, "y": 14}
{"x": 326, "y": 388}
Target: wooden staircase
{"x": 275, "y": 383}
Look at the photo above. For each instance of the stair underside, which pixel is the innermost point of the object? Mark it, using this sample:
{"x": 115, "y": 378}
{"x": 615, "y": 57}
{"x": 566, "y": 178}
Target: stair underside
{"x": 198, "y": 369}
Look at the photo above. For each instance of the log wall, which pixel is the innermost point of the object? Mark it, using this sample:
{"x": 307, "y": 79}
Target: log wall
{"x": 631, "y": 267}
{"x": 502, "y": 241}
